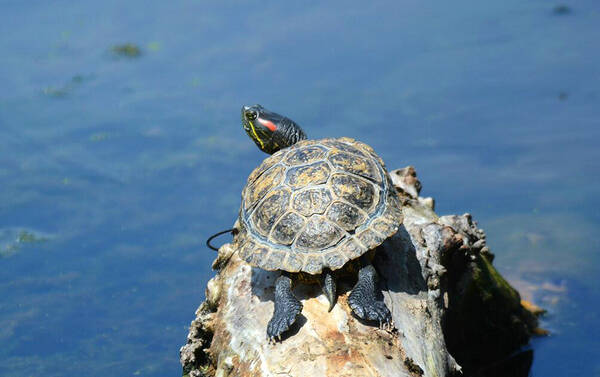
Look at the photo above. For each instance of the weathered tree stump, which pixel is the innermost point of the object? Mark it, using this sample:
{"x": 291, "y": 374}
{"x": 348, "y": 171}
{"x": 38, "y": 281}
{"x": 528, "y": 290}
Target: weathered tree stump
{"x": 437, "y": 278}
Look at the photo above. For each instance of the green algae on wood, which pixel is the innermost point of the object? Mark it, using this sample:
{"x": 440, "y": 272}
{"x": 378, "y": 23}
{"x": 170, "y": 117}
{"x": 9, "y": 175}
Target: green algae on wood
{"x": 485, "y": 320}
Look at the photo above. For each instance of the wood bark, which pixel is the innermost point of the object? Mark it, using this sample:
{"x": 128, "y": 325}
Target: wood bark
{"x": 436, "y": 277}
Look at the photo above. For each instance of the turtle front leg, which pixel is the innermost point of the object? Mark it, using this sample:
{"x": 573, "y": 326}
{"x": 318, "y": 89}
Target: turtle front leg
{"x": 363, "y": 299}
{"x": 287, "y": 308}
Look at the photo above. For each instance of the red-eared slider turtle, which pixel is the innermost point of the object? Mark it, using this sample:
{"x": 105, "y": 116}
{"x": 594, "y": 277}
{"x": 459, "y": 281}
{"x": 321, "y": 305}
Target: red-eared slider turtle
{"x": 311, "y": 209}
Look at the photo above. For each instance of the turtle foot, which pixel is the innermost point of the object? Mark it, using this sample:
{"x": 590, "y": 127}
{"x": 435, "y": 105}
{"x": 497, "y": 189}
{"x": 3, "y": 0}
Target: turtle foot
{"x": 287, "y": 308}
{"x": 363, "y": 302}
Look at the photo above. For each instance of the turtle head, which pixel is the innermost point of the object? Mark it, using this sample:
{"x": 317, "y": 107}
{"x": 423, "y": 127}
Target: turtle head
{"x": 270, "y": 131}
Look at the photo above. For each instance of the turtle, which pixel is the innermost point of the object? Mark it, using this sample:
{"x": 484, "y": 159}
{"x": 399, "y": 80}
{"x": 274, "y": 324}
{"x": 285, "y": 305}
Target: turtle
{"x": 315, "y": 210}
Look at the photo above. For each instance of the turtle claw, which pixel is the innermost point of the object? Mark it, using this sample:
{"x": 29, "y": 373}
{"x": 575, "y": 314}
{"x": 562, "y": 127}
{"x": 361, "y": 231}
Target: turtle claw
{"x": 390, "y": 326}
{"x": 370, "y": 310}
{"x": 281, "y": 322}
{"x": 363, "y": 302}
{"x": 387, "y": 326}
{"x": 287, "y": 308}
{"x": 329, "y": 288}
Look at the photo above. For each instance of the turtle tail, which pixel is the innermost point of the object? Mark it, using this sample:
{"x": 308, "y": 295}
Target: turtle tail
{"x": 217, "y": 235}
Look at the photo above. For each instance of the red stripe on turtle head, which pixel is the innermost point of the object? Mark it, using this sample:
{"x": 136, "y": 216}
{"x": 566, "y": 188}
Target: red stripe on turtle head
{"x": 267, "y": 123}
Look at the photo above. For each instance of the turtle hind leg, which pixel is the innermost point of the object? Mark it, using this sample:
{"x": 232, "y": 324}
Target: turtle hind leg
{"x": 363, "y": 298}
{"x": 287, "y": 308}
{"x": 328, "y": 286}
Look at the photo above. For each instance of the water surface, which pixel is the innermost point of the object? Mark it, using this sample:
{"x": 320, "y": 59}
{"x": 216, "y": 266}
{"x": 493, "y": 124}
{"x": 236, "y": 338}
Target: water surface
{"x": 115, "y": 168}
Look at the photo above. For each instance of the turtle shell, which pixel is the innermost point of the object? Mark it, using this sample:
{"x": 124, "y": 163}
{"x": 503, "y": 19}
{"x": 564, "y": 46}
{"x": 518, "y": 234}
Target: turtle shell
{"x": 317, "y": 204}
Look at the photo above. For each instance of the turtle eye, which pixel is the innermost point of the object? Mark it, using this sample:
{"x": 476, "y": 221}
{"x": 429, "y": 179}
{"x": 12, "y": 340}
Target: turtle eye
{"x": 251, "y": 115}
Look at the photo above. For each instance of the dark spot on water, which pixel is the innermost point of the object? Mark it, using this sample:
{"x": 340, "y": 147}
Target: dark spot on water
{"x": 127, "y": 50}
{"x": 563, "y": 96}
{"x": 562, "y": 10}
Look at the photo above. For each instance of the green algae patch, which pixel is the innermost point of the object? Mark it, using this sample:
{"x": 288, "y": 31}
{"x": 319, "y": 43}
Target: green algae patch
{"x": 489, "y": 283}
{"x": 126, "y": 50}
{"x": 100, "y": 136}
{"x": 13, "y": 240}
{"x": 29, "y": 237}
{"x": 64, "y": 90}
{"x": 485, "y": 321}
{"x": 154, "y": 46}
{"x": 55, "y": 92}
{"x": 8, "y": 250}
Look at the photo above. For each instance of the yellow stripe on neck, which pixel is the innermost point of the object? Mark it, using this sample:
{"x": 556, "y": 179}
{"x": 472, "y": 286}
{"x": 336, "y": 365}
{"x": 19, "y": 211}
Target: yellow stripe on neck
{"x": 262, "y": 145}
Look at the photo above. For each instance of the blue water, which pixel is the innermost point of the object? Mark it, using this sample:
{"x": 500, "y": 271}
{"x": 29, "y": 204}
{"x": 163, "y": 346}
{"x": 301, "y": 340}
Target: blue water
{"x": 115, "y": 169}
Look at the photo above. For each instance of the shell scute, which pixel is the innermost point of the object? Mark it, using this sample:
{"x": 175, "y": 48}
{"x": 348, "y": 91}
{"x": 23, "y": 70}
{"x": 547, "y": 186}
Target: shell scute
{"x": 287, "y": 228}
{"x": 384, "y": 227}
{"x": 247, "y": 250}
{"x": 256, "y": 190}
{"x": 352, "y": 249}
{"x": 335, "y": 260}
{"x": 313, "y": 265}
{"x": 270, "y": 209}
{"x": 294, "y": 262}
{"x": 312, "y": 201}
{"x": 365, "y": 147}
{"x": 303, "y": 156}
{"x": 347, "y": 216}
{"x": 369, "y": 238}
{"x": 266, "y": 165}
{"x": 318, "y": 234}
{"x": 355, "y": 190}
{"x": 313, "y": 174}
{"x": 345, "y": 144}
{"x": 257, "y": 256}
{"x": 355, "y": 165}
{"x": 273, "y": 260}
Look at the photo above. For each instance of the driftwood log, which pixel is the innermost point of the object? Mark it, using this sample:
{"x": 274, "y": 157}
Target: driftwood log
{"x": 454, "y": 314}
